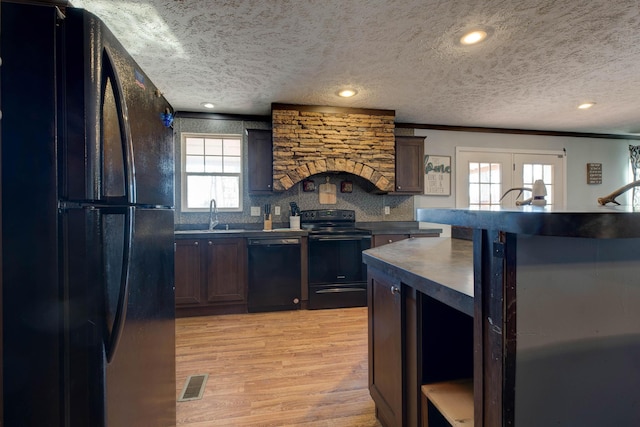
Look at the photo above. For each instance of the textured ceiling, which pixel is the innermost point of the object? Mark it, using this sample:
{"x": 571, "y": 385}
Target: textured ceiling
{"x": 542, "y": 59}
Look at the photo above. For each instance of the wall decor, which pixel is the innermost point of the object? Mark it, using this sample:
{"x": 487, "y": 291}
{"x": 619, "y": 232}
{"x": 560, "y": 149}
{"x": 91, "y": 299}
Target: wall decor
{"x": 308, "y": 185}
{"x": 437, "y": 170}
{"x": 594, "y": 173}
{"x": 346, "y": 187}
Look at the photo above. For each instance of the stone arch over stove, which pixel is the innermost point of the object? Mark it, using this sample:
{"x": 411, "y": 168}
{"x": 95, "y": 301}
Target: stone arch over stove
{"x": 308, "y": 140}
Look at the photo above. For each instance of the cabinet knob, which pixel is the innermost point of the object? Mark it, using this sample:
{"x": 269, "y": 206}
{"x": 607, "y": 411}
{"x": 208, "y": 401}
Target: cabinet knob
{"x": 195, "y": 243}
{"x": 210, "y": 243}
{"x": 395, "y": 289}
{"x": 268, "y": 185}
{"x": 399, "y": 187}
{"x": 390, "y": 241}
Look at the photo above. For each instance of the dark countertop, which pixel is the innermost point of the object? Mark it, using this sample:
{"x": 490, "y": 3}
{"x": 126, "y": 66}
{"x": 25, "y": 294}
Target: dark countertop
{"x": 396, "y": 227}
{"x": 186, "y": 231}
{"x": 440, "y": 267}
{"x": 599, "y": 222}
{"x": 238, "y": 232}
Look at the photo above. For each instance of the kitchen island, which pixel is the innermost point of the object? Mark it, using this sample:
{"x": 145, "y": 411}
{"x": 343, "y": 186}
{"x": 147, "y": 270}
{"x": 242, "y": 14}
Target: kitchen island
{"x": 554, "y": 336}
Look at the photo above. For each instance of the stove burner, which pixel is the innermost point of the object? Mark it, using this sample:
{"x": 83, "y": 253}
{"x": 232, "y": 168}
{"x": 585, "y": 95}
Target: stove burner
{"x": 331, "y": 221}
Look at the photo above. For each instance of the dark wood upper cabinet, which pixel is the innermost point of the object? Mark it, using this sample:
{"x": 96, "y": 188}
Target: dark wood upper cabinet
{"x": 260, "y": 157}
{"x": 409, "y": 165}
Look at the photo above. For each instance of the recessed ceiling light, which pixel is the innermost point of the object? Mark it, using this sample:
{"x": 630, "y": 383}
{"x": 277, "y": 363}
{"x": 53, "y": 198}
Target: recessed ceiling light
{"x": 473, "y": 37}
{"x": 207, "y": 104}
{"x": 586, "y": 105}
{"x": 347, "y": 93}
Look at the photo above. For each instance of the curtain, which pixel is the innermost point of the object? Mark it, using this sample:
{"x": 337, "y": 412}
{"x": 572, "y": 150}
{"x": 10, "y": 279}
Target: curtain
{"x": 634, "y": 157}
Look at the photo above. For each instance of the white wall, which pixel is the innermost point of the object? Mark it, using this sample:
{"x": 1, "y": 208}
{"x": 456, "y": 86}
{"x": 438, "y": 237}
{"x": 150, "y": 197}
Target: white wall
{"x": 612, "y": 153}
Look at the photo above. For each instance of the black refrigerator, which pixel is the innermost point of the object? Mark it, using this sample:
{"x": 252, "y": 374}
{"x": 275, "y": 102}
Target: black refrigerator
{"x": 87, "y": 227}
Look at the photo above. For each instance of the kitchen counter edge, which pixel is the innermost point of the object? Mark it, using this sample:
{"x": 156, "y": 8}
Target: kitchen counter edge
{"x": 440, "y": 267}
{"x": 603, "y": 222}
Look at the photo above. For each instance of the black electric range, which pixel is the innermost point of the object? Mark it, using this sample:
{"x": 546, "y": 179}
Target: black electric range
{"x": 337, "y": 276}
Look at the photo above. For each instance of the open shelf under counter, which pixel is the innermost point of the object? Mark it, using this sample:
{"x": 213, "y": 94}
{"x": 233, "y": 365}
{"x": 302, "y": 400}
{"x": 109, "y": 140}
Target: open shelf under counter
{"x": 440, "y": 267}
{"x": 453, "y": 399}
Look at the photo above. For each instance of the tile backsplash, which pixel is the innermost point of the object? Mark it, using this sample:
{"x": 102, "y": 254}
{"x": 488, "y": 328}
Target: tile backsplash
{"x": 368, "y": 206}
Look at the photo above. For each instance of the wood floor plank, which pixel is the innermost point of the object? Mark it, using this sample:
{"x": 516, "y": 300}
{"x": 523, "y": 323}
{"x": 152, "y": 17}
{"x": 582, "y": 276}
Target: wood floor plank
{"x": 289, "y": 368}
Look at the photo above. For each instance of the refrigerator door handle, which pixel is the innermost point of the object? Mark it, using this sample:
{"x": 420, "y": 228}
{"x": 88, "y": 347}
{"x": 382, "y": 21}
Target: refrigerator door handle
{"x": 109, "y": 71}
{"x": 111, "y": 344}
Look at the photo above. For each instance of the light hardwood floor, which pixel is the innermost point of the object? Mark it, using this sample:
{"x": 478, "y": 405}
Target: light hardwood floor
{"x": 290, "y": 368}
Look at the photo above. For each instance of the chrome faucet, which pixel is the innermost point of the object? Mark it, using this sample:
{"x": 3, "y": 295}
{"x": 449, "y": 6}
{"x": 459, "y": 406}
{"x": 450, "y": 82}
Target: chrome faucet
{"x": 213, "y": 208}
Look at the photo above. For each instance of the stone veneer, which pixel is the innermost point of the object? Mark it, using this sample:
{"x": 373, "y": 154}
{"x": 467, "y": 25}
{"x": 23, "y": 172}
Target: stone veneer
{"x": 310, "y": 139}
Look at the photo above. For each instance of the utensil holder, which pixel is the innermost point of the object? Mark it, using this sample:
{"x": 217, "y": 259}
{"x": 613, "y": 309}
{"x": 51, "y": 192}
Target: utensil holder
{"x": 267, "y": 222}
{"x": 294, "y": 222}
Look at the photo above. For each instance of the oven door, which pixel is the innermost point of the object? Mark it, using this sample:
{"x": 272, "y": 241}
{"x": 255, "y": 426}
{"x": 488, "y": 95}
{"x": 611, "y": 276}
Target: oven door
{"x": 337, "y": 276}
{"x": 337, "y": 258}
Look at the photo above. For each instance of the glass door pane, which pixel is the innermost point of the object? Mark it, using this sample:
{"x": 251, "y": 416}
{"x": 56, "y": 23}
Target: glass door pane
{"x": 481, "y": 178}
{"x": 547, "y": 167}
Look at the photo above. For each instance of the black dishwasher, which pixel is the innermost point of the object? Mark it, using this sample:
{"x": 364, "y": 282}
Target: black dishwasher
{"x": 274, "y": 274}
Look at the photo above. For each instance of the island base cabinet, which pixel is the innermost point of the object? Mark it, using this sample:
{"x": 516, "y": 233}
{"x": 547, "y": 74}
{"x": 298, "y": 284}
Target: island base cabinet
{"x": 419, "y": 343}
{"x": 385, "y": 348}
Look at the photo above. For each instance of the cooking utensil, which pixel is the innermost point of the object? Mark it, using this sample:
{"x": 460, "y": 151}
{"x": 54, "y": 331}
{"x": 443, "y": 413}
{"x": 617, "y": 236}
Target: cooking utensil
{"x": 295, "y": 210}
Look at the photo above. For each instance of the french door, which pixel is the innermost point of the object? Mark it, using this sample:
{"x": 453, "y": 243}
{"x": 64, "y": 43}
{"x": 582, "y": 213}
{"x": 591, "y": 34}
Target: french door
{"x": 483, "y": 176}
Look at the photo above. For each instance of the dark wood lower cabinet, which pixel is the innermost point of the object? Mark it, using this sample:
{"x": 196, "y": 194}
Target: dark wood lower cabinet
{"x": 385, "y": 348}
{"x": 210, "y": 276}
{"x": 188, "y": 276}
{"x": 226, "y": 271}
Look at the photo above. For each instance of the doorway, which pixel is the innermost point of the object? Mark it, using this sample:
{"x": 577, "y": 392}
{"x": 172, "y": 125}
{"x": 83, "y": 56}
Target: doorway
{"x": 484, "y": 175}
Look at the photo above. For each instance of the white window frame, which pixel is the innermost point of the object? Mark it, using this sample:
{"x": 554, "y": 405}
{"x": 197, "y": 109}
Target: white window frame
{"x": 184, "y": 173}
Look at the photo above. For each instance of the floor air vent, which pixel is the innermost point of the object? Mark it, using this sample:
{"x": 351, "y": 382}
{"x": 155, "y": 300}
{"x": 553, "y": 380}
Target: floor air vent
{"x": 193, "y": 388}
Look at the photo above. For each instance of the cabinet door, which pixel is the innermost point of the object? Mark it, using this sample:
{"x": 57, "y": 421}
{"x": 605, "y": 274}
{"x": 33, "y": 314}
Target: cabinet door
{"x": 188, "y": 275}
{"x": 260, "y": 157}
{"x": 385, "y": 348}
{"x": 226, "y": 266}
{"x": 409, "y": 165}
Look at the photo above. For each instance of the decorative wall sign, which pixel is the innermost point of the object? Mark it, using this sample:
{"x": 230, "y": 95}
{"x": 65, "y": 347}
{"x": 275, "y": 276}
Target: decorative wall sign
{"x": 308, "y": 185}
{"x": 594, "y": 173}
{"x": 346, "y": 187}
{"x": 437, "y": 180}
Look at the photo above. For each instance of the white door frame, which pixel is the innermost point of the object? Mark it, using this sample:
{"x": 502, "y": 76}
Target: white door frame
{"x": 460, "y": 180}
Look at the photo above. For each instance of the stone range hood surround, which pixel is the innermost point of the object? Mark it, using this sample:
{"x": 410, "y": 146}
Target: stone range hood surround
{"x": 308, "y": 140}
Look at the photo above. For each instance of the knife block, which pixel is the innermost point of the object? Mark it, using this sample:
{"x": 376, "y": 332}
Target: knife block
{"x": 267, "y": 222}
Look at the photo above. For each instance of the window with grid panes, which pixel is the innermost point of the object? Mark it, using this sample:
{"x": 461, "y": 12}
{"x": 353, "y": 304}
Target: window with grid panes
{"x": 484, "y": 184}
{"x": 211, "y": 169}
{"x": 533, "y": 171}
